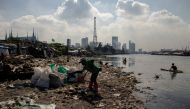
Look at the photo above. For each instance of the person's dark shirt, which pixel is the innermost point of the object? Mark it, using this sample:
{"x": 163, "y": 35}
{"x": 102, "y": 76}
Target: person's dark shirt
{"x": 89, "y": 65}
{"x": 174, "y": 67}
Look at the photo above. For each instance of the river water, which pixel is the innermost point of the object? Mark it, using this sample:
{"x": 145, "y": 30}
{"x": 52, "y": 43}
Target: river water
{"x": 167, "y": 92}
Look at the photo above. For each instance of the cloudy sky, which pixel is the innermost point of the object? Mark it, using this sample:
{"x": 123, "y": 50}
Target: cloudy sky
{"x": 151, "y": 24}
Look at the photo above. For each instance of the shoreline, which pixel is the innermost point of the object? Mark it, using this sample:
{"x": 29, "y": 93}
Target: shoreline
{"x": 113, "y": 93}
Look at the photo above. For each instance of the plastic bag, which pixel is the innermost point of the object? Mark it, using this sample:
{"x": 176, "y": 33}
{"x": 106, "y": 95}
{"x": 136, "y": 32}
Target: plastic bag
{"x": 37, "y": 74}
{"x": 41, "y": 77}
{"x": 54, "y": 81}
{"x": 61, "y": 69}
{"x": 52, "y": 66}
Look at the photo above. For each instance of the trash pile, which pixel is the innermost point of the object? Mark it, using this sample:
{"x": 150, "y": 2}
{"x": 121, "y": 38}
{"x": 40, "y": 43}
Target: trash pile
{"x": 22, "y": 102}
{"x": 17, "y": 67}
{"x": 67, "y": 86}
{"x": 54, "y": 76}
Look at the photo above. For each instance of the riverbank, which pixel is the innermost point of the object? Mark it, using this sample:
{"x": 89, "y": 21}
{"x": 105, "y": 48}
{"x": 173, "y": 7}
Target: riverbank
{"x": 115, "y": 88}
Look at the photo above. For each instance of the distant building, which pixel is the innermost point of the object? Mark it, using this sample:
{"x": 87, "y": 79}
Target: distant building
{"x": 115, "y": 42}
{"x": 118, "y": 46}
{"x": 77, "y": 45}
{"x": 95, "y": 43}
{"x": 91, "y": 44}
{"x": 32, "y": 38}
{"x": 140, "y": 50}
{"x": 124, "y": 47}
{"x": 131, "y": 47}
{"x": 84, "y": 42}
{"x": 69, "y": 42}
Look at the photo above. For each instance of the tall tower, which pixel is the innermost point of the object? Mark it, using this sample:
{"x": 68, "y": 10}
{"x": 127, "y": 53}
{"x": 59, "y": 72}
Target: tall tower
{"x": 6, "y": 35}
{"x": 11, "y": 33}
{"x": 95, "y": 34}
{"x": 33, "y": 35}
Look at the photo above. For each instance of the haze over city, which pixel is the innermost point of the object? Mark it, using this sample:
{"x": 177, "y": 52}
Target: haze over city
{"x": 151, "y": 25}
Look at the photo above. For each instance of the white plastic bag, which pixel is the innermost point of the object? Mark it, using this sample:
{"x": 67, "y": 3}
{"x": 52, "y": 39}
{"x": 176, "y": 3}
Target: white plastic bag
{"x": 43, "y": 81}
{"x": 37, "y": 74}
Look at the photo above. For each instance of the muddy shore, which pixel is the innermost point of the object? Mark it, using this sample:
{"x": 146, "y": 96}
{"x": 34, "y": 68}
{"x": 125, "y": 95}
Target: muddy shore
{"x": 115, "y": 87}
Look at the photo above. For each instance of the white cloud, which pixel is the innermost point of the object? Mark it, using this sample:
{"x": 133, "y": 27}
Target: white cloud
{"x": 133, "y": 21}
{"x": 165, "y": 17}
{"x": 76, "y": 11}
{"x": 131, "y": 8}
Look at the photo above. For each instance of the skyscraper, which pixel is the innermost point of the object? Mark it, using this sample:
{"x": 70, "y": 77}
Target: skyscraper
{"x": 69, "y": 42}
{"x": 84, "y": 42}
{"x": 6, "y": 35}
{"x": 124, "y": 47}
{"x": 95, "y": 34}
{"x": 115, "y": 42}
{"x": 77, "y": 45}
{"x": 131, "y": 47}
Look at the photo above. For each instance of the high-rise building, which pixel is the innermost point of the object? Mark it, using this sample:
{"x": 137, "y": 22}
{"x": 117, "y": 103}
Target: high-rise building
{"x": 84, "y": 42}
{"x": 124, "y": 47}
{"x": 118, "y": 46}
{"x": 69, "y": 42}
{"x": 91, "y": 44}
{"x": 140, "y": 50}
{"x": 95, "y": 34}
{"x": 115, "y": 42}
{"x": 6, "y": 35}
{"x": 131, "y": 47}
{"x": 77, "y": 45}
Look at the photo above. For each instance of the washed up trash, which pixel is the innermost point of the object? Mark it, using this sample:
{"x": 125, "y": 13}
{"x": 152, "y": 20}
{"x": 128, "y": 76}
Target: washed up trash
{"x": 116, "y": 94}
{"x": 157, "y": 76}
{"x": 100, "y": 105}
{"x": 75, "y": 97}
{"x": 24, "y": 103}
{"x": 41, "y": 77}
{"x": 62, "y": 69}
{"x": 44, "y": 78}
{"x": 124, "y": 74}
{"x": 39, "y": 106}
{"x": 11, "y": 86}
{"x": 54, "y": 81}
{"x": 52, "y": 66}
{"x": 77, "y": 76}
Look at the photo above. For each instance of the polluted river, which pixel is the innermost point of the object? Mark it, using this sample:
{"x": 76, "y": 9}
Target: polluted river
{"x": 158, "y": 89}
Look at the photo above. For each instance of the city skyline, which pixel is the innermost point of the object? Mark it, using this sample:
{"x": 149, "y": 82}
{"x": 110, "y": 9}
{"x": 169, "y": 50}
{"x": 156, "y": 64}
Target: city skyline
{"x": 150, "y": 26}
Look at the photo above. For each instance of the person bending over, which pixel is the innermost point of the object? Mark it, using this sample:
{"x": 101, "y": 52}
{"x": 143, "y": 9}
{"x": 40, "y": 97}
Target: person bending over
{"x": 91, "y": 67}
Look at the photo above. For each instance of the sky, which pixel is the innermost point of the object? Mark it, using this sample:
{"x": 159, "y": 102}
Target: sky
{"x": 151, "y": 24}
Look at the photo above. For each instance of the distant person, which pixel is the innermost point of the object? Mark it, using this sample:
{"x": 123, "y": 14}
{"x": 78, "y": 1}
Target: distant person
{"x": 124, "y": 61}
{"x": 91, "y": 67}
{"x": 173, "y": 67}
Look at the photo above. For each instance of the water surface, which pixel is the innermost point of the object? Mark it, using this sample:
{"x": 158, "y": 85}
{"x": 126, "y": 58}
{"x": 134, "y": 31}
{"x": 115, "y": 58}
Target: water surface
{"x": 170, "y": 91}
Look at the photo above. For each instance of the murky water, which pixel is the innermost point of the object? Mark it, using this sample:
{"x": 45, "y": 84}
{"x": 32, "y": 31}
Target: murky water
{"x": 169, "y": 91}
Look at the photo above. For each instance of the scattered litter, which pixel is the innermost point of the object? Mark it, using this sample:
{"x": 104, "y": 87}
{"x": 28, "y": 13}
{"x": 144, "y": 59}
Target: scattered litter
{"x": 116, "y": 94}
{"x": 24, "y": 103}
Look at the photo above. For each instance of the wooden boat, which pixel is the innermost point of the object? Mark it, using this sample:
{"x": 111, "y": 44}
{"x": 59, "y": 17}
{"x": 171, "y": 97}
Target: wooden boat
{"x": 177, "y": 71}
